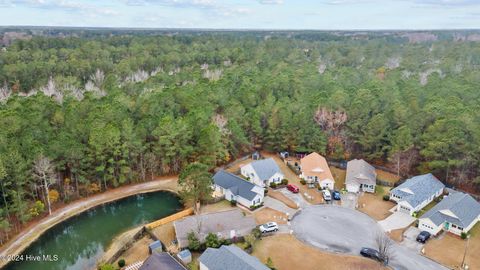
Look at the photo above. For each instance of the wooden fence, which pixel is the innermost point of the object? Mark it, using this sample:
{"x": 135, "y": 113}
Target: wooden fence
{"x": 176, "y": 216}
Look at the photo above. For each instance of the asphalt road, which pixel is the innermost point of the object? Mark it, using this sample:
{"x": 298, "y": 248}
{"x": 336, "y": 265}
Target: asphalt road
{"x": 342, "y": 230}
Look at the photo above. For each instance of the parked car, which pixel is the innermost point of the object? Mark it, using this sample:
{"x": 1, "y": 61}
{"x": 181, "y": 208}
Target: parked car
{"x": 269, "y": 227}
{"x": 336, "y": 195}
{"x": 326, "y": 195}
{"x": 423, "y": 237}
{"x": 293, "y": 188}
{"x": 371, "y": 253}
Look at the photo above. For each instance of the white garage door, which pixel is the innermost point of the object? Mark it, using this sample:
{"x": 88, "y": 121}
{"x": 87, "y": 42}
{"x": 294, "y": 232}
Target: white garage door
{"x": 404, "y": 209}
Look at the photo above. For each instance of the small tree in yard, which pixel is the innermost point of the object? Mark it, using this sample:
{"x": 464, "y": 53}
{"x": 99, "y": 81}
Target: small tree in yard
{"x": 193, "y": 242}
{"x": 195, "y": 184}
{"x": 384, "y": 245}
{"x": 212, "y": 240}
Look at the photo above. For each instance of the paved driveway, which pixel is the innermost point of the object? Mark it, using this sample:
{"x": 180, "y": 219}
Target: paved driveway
{"x": 349, "y": 200}
{"x": 342, "y": 230}
{"x": 397, "y": 220}
{"x": 410, "y": 239}
{"x": 296, "y": 197}
{"x": 279, "y": 206}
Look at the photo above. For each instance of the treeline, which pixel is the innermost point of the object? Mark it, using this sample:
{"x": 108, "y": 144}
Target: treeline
{"x": 81, "y": 115}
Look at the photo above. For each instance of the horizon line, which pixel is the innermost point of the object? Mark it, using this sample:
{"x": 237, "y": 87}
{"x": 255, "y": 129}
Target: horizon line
{"x": 241, "y": 29}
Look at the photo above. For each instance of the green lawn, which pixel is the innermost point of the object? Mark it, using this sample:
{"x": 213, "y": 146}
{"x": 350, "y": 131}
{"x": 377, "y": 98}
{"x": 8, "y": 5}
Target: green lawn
{"x": 426, "y": 208}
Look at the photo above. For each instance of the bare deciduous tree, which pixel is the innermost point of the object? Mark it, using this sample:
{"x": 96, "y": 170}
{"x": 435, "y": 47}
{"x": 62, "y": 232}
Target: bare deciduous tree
{"x": 5, "y": 93}
{"x": 384, "y": 246}
{"x": 44, "y": 171}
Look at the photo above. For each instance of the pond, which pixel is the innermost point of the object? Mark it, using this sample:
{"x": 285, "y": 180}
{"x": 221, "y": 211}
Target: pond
{"x": 81, "y": 240}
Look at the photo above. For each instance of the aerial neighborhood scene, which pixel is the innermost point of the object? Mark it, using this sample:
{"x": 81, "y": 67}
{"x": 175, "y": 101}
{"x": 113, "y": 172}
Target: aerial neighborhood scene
{"x": 239, "y": 135}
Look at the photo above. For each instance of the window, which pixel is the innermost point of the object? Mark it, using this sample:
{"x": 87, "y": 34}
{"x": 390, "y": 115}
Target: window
{"x": 454, "y": 226}
{"x": 460, "y": 228}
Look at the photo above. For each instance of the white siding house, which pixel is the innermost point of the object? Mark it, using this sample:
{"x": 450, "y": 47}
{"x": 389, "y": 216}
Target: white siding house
{"x": 456, "y": 213}
{"x": 237, "y": 189}
{"x": 360, "y": 176}
{"x": 262, "y": 172}
{"x": 416, "y": 192}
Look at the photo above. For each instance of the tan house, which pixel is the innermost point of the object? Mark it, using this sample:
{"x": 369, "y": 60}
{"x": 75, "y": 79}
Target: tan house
{"x": 314, "y": 169}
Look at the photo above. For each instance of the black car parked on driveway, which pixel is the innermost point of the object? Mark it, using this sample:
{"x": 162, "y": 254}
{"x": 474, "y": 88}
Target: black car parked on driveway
{"x": 423, "y": 237}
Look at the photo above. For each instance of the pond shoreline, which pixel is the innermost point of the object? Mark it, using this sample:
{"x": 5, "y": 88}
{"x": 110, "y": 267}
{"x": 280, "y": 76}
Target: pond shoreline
{"x": 24, "y": 239}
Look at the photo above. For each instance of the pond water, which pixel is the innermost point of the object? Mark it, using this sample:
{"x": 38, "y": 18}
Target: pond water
{"x": 81, "y": 240}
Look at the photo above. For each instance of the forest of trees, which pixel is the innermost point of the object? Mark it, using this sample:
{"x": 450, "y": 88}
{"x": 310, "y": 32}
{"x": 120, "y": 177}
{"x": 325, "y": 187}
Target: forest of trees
{"x": 79, "y": 115}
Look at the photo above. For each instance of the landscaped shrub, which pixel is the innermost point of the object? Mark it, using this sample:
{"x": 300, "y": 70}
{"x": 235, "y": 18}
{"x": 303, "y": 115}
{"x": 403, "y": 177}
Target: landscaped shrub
{"x": 233, "y": 203}
{"x": 265, "y": 191}
{"x": 303, "y": 182}
{"x": 212, "y": 241}
{"x": 121, "y": 263}
{"x": 285, "y": 182}
{"x": 386, "y": 197}
{"x": 253, "y": 207}
{"x": 257, "y": 233}
{"x": 273, "y": 185}
{"x": 464, "y": 235}
{"x": 193, "y": 242}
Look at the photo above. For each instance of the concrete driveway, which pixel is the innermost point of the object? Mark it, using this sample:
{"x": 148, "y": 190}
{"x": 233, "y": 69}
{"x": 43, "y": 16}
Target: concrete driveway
{"x": 342, "y": 230}
{"x": 296, "y": 197}
{"x": 279, "y": 206}
{"x": 410, "y": 239}
{"x": 349, "y": 200}
{"x": 395, "y": 221}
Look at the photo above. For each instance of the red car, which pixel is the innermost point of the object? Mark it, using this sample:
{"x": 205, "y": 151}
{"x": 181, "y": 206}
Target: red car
{"x": 292, "y": 188}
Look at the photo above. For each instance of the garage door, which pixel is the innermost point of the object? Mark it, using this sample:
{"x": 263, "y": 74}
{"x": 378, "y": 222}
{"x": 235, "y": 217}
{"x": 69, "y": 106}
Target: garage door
{"x": 404, "y": 209}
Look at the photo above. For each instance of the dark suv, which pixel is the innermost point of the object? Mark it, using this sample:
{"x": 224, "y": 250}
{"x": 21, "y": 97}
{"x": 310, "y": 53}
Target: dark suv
{"x": 371, "y": 253}
{"x": 423, "y": 237}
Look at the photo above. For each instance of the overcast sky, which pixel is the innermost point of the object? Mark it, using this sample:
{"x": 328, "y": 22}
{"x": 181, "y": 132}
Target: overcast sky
{"x": 245, "y": 14}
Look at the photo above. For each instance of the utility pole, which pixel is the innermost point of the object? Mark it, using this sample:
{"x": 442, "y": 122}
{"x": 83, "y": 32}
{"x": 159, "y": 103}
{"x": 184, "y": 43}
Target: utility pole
{"x": 464, "y": 265}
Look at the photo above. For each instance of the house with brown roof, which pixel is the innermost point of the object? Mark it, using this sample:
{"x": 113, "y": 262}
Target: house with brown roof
{"x": 314, "y": 169}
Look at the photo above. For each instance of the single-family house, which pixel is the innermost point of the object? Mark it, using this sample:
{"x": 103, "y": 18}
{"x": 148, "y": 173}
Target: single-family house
{"x": 229, "y": 257}
{"x": 163, "y": 261}
{"x": 361, "y": 176}
{"x": 314, "y": 169}
{"x": 226, "y": 224}
{"x": 456, "y": 213}
{"x": 416, "y": 192}
{"x": 262, "y": 172}
{"x": 234, "y": 188}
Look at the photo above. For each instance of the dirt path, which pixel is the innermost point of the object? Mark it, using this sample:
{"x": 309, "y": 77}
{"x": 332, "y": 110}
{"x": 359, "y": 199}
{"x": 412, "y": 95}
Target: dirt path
{"x": 22, "y": 240}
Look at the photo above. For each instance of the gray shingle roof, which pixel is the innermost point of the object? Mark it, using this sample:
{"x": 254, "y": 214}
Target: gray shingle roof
{"x": 422, "y": 186}
{"x": 231, "y": 258}
{"x": 162, "y": 261}
{"x": 462, "y": 205}
{"x": 265, "y": 168}
{"x": 237, "y": 185}
{"x": 360, "y": 172}
{"x": 222, "y": 223}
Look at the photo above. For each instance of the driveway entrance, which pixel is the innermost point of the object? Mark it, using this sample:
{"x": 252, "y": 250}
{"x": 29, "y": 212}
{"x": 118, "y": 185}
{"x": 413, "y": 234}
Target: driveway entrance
{"x": 397, "y": 220}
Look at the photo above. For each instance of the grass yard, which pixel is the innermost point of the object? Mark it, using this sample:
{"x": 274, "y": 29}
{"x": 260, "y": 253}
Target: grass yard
{"x": 266, "y": 214}
{"x": 339, "y": 177}
{"x": 288, "y": 253}
{"x": 387, "y": 177}
{"x": 222, "y": 205}
{"x": 450, "y": 248}
{"x": 374, "y": 205}
{"x": 426, "y": 208}
{"x": 137, "y": 252}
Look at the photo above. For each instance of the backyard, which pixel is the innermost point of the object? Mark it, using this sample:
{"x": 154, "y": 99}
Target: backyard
{"x": 449, "y": 249}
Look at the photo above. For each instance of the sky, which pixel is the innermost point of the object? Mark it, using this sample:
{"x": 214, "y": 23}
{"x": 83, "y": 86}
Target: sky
{"x": 246, "y": 14}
